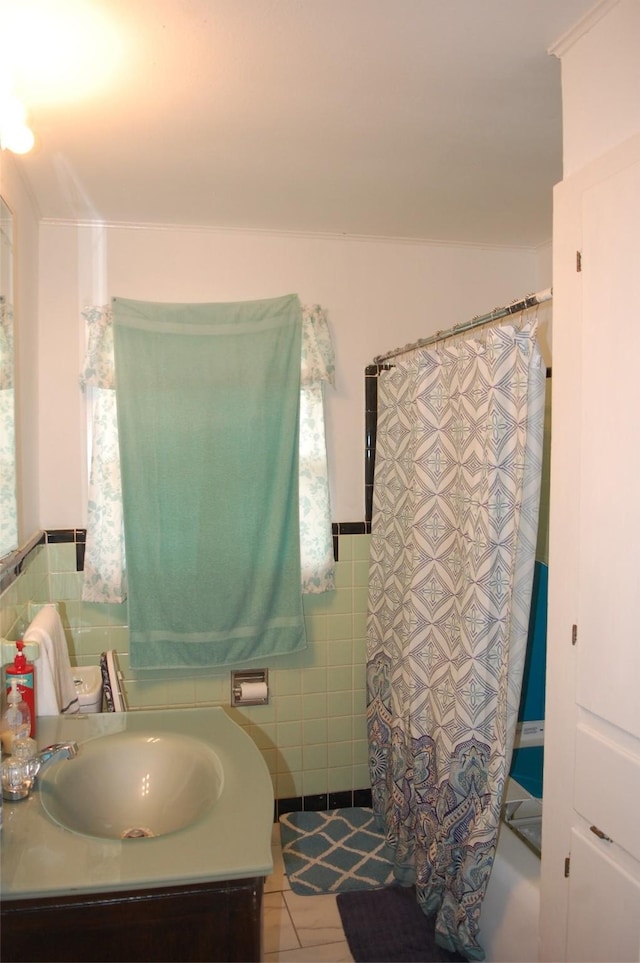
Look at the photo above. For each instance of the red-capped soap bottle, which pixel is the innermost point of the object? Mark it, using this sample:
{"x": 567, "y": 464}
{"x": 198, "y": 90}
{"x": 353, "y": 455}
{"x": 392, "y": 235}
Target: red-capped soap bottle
{"x": 24, "y": 673}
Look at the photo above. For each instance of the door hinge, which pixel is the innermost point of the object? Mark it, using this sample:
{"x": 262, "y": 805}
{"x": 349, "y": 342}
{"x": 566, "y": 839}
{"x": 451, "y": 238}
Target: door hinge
{"x": 574, "y": 634}
{"x": 567, "y": 863}
{"x": 598, "y": 832}
{"x": 578, "y": 261}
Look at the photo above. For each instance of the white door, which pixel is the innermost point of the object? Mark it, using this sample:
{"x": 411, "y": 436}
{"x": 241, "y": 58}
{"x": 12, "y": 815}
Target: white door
{"x": 608, "y": 650}
{"x": 604, "y": 924}
{"x": 604, "y": 876}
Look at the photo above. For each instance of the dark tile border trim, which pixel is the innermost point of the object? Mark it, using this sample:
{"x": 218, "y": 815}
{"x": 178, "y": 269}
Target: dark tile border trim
{"x": 322, "y": 802}
{"x": 60, "y": 536}
{"x": 66, "y": 536}
{"x": 12, "y": 567}
{"x": 352, "y": 528}
{"x": 371, "y": 373}
{"x": 347, "y": 528}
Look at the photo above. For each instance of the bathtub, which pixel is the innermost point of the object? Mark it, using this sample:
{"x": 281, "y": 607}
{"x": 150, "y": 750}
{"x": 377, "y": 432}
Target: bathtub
{"x": 510, "y": 911}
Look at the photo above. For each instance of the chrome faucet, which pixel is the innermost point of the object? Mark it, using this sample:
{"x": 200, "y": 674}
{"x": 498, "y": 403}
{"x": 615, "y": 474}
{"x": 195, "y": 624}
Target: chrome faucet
{"x": 19, "y": 771}
{"x": 59, "y": 750}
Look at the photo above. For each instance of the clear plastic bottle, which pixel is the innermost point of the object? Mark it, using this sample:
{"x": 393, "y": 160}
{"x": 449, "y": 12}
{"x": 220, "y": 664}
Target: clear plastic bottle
{"x": 17, "y": 717}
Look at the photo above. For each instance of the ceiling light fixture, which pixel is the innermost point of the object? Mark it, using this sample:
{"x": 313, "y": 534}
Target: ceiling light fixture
{"x": 59, "y": 52}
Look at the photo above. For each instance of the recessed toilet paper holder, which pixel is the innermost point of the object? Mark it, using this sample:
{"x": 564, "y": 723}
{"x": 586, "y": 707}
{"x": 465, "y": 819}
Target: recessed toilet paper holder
{"x": 249, "y": 687}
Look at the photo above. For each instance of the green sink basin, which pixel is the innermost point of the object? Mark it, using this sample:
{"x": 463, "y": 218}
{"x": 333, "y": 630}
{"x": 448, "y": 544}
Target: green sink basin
{"x": 133, "y": 785}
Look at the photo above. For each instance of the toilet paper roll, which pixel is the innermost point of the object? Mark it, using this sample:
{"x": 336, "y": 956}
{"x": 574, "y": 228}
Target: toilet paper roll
{"x": 253, "y": 691}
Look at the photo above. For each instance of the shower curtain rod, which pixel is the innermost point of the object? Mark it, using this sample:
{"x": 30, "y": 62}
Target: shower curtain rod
{"x": 514, "y": 308}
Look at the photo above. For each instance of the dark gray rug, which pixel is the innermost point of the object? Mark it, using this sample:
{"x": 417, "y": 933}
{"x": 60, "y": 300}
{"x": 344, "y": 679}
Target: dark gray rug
{"x": 387, "y": 926}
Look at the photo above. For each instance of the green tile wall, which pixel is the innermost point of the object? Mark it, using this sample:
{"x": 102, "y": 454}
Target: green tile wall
{"x": 313, "y": 732}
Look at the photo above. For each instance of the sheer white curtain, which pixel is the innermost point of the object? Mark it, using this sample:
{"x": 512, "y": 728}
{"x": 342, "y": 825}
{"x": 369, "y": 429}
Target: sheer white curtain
{"x": 105, "y": 562}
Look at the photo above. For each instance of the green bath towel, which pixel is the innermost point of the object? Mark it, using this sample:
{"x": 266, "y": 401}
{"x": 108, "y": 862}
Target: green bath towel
{"x": 208, "y": 398}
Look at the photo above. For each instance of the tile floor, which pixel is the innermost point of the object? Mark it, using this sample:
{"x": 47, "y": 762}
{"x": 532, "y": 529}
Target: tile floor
{"x": 299, "y": 929}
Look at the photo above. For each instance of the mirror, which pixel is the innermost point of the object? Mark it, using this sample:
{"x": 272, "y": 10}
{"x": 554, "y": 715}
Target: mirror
{"x": 8, "y": 502}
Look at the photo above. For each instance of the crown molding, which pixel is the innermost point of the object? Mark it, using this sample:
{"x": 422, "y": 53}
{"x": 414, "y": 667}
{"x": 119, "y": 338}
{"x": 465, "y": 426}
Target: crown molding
{"x": 583, "y": 26}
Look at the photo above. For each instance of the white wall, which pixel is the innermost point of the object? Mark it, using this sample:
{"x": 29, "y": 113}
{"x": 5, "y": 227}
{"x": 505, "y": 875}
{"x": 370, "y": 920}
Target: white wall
{"x": 16, "y": 195}
{"x": 600, "y": 82}
{"x": 544, "y": 265}
{"x": 378, "y": 294}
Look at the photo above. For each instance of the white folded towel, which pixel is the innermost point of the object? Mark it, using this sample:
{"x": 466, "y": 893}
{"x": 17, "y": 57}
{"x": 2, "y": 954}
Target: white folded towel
{"x": 55, "y": 687}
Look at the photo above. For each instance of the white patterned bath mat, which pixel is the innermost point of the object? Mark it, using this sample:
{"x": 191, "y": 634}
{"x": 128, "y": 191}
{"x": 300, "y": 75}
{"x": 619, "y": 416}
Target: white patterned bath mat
{"x": 334, "y": 852}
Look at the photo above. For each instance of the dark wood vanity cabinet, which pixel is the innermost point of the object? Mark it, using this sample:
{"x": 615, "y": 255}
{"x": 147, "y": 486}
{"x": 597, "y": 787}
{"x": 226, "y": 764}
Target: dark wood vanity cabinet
{"x": 207, "y": 922}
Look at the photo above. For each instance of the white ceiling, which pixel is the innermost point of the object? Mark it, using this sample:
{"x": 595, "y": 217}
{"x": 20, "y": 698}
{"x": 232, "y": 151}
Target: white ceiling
{"x": 435, "y": 119}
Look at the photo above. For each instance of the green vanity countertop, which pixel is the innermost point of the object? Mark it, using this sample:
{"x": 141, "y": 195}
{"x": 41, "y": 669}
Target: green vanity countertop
{"x": 232, "y": 840}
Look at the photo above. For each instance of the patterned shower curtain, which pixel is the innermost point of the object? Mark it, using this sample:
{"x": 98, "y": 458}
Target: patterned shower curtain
{"x": 455, "y": 514}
